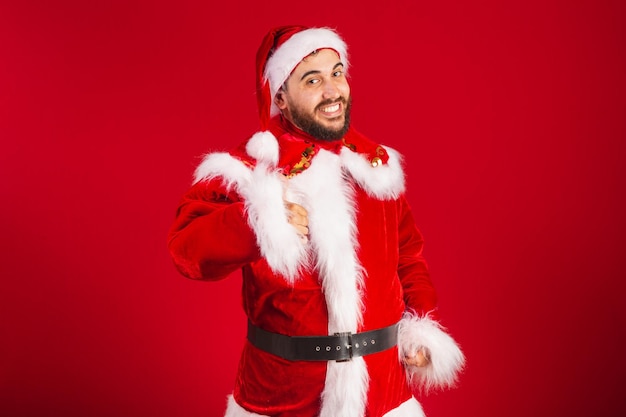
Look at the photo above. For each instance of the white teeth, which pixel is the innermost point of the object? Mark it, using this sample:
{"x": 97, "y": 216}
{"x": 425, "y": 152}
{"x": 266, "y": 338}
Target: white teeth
{"x": 331, "y": 109}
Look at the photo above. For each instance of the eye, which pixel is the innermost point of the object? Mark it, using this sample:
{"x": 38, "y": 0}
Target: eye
{"x": 337, "y": 73}
{"x": 312, "y": 81}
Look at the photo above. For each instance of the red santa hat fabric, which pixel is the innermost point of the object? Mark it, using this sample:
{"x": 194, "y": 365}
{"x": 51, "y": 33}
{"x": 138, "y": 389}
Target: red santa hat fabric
{"x": 280, "y": 52}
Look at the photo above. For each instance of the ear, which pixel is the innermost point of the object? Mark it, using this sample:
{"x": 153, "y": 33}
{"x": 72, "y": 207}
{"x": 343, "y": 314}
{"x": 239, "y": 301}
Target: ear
{"x": 279, "y": 100}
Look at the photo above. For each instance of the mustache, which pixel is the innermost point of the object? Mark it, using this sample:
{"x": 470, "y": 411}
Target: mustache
{"x": 329, "y": 102}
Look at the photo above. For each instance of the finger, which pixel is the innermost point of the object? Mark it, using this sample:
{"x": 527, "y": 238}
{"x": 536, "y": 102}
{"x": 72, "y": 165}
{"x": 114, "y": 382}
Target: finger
{"x": 303, "y": 230}
{"x": 297, "y": 214}
{"x": 415, "y": 362}
{"x": 296, "y": 208}
{"x": 420, "y": 359}
{"x": 298, "y": 220}
{"x": 411, "y": 361}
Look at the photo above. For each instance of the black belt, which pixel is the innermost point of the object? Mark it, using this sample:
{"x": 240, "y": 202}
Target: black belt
{"x": 339, "y": 347}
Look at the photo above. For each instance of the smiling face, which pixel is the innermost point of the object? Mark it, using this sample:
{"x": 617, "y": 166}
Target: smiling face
{"x": 316, "y": 96}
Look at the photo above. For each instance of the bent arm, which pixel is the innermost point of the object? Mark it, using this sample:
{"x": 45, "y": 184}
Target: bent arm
{"x": 419, "y": 293}
{"x": 432, "y": 356}
{"x": 211, "y": 237}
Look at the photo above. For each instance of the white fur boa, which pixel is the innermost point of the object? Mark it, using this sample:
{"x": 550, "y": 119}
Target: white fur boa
{"x": 323, "y": 190}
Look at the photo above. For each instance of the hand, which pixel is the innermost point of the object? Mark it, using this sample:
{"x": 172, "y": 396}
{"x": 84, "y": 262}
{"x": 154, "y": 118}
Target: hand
{"x": 298, "y": 217}
{"x": 420, "y": 359}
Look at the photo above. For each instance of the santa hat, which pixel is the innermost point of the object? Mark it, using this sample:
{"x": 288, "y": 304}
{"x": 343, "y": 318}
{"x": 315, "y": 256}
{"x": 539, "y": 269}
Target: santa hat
{"x": 280, "y": 52}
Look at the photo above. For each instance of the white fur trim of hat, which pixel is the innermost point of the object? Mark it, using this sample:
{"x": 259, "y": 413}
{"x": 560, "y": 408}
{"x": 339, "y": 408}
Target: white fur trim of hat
{"x": 287, "y": 57}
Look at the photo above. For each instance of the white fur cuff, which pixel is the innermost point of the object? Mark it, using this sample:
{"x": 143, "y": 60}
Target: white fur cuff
{"x": 446, "y": 358}
{"x": 235, "y": 410}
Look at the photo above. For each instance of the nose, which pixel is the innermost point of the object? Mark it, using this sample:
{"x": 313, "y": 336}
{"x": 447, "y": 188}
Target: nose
{"x": 331, "y": 90}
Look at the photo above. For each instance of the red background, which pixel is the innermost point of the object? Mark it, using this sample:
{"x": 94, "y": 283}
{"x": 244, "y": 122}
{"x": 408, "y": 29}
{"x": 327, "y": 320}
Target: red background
{"x": 511, "y": 118}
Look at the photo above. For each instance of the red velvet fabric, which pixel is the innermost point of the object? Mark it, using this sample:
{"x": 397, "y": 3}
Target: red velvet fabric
{"x": 211, "y": 238}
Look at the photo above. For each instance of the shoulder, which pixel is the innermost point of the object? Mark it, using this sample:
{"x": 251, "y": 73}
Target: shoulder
{"x": 375, "y": 167}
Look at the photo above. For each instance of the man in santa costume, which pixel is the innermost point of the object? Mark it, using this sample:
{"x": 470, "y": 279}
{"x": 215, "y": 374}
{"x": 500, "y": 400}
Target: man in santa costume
{"x": 341, "y": 309}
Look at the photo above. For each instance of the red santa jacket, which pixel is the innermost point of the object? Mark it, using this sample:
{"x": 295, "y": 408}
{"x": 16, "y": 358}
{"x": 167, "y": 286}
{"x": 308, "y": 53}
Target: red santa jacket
{"x": 362, "y": 269}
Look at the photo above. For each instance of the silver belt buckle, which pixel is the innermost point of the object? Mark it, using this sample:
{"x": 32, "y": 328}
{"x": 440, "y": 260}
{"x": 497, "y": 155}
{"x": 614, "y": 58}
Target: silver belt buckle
{"x": 347, "y": 336}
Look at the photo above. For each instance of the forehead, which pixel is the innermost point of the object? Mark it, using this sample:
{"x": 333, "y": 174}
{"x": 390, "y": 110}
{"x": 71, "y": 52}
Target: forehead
{"x": 321, "y": 60}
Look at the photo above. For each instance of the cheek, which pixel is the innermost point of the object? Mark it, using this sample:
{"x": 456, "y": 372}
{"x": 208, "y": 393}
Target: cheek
{"x": 345, "y": 90}
{"x": 309, "y": 100}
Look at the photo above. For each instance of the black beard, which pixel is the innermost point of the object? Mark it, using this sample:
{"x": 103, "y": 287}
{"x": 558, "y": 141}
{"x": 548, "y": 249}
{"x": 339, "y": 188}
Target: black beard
{"x": 308, "y": 125}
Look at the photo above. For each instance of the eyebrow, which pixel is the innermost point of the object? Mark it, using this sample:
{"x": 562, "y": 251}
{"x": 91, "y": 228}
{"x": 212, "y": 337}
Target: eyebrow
{"x": 306, "y": 74}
